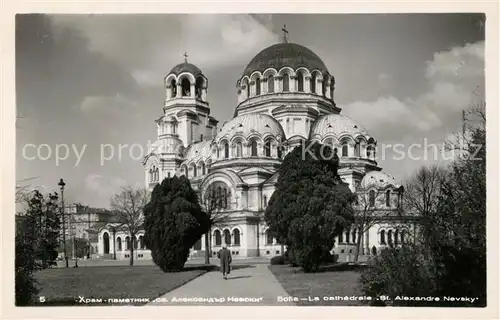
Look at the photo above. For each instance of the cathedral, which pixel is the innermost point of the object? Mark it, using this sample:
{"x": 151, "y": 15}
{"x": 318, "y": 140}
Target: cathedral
{"x": 285, "y": 95}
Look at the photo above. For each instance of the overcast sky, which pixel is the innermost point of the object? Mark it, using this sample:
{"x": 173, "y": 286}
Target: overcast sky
{"x": 91, "y": 80}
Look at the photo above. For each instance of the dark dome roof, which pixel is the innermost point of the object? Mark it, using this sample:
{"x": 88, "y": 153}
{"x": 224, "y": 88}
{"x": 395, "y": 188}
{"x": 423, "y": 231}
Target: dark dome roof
{"x": 185, "y": 67}
{"x": 285, "y": 54}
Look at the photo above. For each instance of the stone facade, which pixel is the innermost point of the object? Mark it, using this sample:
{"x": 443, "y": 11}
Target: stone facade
{"x": 281, "y": 102}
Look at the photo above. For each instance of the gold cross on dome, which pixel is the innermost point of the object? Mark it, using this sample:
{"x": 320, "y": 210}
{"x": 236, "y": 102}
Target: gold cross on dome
{"x": 185, "y": 57}
{"x": 285, "y": 34}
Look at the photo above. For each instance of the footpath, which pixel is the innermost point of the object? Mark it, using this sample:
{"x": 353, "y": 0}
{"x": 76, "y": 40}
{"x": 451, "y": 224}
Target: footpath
{"x": 247, "y": 285}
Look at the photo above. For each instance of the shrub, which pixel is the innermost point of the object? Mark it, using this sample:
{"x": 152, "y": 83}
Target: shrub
{"x": 398, "y": 272}
{"x": 278, "y": 260}
{"x": 173, "y": 222}
{"x": 288, "y": 257}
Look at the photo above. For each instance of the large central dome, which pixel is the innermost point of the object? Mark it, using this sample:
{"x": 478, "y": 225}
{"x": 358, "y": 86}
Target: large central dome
{"x": 285, "y": 55}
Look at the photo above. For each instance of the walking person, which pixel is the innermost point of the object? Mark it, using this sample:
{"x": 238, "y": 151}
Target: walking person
{"x": 225, "y": 261}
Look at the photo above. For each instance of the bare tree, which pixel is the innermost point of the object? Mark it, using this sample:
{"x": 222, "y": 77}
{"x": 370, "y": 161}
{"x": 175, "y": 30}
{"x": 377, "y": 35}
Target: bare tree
{"x": 24, "y": 190}
{"x": 372, "y": 207}
{"x": 216, "y": 202}
{"x": 474, "y": 117}
{"x": 129, "y": 205}
{"x": 421, "y": 197}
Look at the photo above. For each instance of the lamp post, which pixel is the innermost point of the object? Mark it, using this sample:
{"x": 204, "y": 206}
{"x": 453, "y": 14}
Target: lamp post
{"x": 75, "y": 253}
{"x": 61, "y": 185}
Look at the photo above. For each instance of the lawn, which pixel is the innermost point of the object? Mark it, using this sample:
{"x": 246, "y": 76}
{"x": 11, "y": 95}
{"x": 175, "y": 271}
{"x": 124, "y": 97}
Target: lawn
{"x": 329, "y": 282}
{"x": 61, "y": 286}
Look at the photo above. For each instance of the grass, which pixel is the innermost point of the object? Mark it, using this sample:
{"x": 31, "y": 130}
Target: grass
{"x": 330, "y": 281}
{"x": 61, "y": 286}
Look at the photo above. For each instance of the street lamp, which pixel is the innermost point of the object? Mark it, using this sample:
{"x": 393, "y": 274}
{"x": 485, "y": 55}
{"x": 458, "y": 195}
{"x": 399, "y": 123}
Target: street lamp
{"x": 61, "y": 185}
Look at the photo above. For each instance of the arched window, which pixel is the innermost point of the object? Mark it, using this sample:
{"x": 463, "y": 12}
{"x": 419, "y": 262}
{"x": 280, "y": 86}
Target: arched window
{"x": 226, "y": 150}
{"x": 347, "y": 236}
{"x": 269, "y": 237}
{"x": 127, "y": 243}
{"x": 267, "y": 148}
{"x": 239, "y": 149}
{"x": 370, "y": 152}
{"x": 197, "y": 245}
{"x": 247, "y": 86}
{"x": 218, "y": 238}
{"x": 135, "y": 243}
{"x": 194, "y": 171}
{"x": 157, "y": 174}
{"x": 357, "y": 150}
{"x": 203, "y": 168}
{"x": 173, "y": 83}
{"x": 227, "y": 237}
{"x": 300, "y": 82}
{"x": 372, "y": 198}
{"x": 198, "y": 87}
{"x": 313, "y": 83}
{"x": 236, "y": 234}
{"x": 186, "y": 87}
{"x": 119, "y": 244}
{"x": 270, "y": 84}
{"x": 388, "y": 198}
{"x": 105, "y": 237}
{"x": 403, "y": 233}
{"x": 151, "y": 179}
{"x": 141, "y": 242}
{"x": 253, "y": 147}
{"x": 344, "y": 150}
{"x": 186, "y": 171}
{"x": 286, "y": 82}
{"x": 257, "y": 86}
{"x": 219, "y": 197}
{"x": 225, "y": 199}
{"x": 396, "y": 236}
{"x": 324, "y": 86}
{"x": 382, "y": 237}
{"x": 389, "y": 237}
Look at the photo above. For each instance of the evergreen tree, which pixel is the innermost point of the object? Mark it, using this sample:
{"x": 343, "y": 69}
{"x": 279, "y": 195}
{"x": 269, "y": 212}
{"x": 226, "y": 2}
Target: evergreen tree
{"x": 173, "y": 222}
{"x": 36, "y": 243}
{"x": 311, "y": 205}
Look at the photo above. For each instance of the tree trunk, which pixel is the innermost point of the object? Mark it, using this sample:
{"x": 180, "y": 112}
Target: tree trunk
{"x": 207, "y": 247}
{"x": 132, "y": 237}
{"x": 358, "y": 245}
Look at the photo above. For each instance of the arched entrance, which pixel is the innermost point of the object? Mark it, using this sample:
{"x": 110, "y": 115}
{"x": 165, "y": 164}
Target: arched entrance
{"x": 105, "y": 237}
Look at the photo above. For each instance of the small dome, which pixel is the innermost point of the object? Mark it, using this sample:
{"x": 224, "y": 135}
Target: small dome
{"x": 285, "y": 55}
{"x": 337, "y": 125}
{"x": 244, "y": 125}
{"x": 185, "y": 67}
{"x": 379, "y": 179}
{"x": 197, "y": 151}
{"x": 171, "y": 145}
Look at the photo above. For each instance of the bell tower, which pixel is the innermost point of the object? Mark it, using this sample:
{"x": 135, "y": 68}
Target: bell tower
{"x": 186, "y": 101}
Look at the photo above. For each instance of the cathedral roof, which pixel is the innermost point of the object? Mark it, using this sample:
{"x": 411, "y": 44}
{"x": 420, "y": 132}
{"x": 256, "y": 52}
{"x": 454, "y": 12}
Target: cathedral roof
{"x": 285, "y": 55}
{"x": 185, "y": 67}
{"x": 336, "y": 124}
{"x": 198, "y": 150}
{"x": 252, "y": 123}
{"x": 379, "y": 179}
